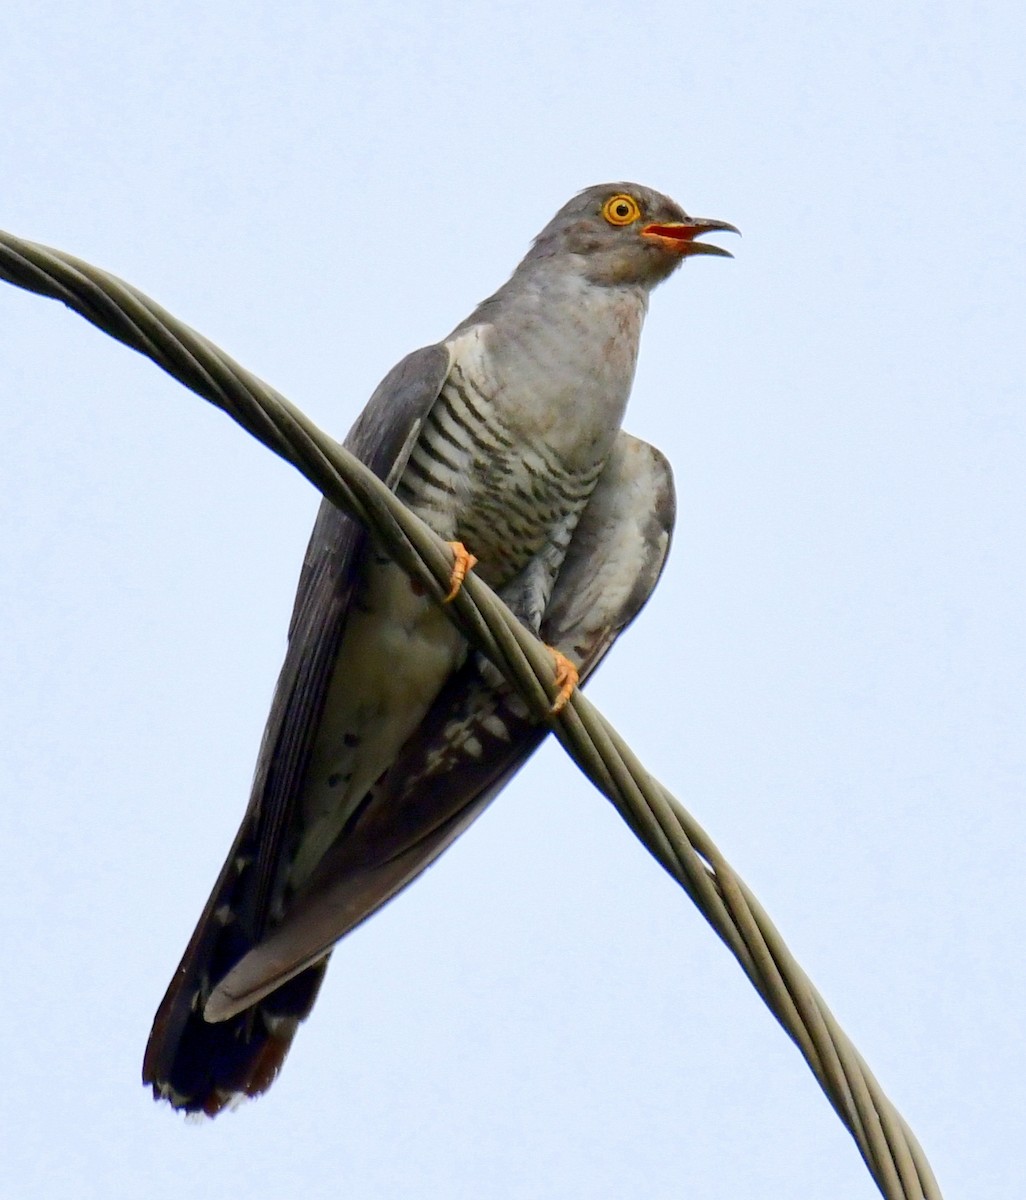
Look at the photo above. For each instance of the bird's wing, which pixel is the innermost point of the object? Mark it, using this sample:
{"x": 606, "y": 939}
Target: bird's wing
{"x": 236, "y": 915}
{"x": 382, "y": 438}
{"x": 475, "y": 737}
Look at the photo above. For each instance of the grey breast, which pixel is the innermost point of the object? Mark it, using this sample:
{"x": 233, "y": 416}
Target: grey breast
{"x": 512, "y": 449}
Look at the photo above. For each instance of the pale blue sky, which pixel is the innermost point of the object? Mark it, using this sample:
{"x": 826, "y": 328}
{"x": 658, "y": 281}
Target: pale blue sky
{"x": 831, "y": 674}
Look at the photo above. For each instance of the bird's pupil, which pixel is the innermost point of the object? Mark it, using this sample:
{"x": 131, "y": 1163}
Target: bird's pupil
{"x": 622, "y": 210}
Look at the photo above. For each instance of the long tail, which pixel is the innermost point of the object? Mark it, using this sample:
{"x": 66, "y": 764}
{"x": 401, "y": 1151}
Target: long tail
{"x": 201, "y": 1067}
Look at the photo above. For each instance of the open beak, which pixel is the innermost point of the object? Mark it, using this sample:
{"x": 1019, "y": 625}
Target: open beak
{"x": 678, "y": 237}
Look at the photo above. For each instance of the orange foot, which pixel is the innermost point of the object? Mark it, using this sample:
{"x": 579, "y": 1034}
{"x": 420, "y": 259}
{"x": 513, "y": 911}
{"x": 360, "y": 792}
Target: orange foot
{"x": 566, "y": 680}
{"x": 463, "y": 560}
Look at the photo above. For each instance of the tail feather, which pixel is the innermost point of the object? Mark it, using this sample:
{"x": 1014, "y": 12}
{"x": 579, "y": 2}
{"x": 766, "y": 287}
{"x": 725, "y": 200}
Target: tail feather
{"x": 201, "y": 1067}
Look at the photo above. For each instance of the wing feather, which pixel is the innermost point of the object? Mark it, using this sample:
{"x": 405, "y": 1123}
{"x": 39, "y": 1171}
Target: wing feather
{"x": 475, "y": 736}
{"x": 184, "y": 1057}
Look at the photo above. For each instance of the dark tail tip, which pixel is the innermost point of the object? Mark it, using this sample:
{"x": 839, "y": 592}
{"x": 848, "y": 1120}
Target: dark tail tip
{"x": 203, "y": 1068}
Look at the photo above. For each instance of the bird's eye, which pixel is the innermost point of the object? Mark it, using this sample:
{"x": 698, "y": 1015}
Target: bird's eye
{"x": 621, "y": 210}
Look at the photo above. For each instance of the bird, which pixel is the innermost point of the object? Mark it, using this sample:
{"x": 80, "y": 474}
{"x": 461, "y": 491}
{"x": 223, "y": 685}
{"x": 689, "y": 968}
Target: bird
{"x": 387, "y": 735}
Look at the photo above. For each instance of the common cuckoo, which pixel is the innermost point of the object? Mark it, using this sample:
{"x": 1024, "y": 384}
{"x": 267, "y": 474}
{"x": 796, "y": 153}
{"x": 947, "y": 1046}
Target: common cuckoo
{"x": 386, "y": 738}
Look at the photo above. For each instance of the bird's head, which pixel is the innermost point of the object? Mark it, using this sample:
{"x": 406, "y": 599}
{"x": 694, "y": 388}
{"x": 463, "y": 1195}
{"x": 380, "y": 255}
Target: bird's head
{"x": 623, "y": 233}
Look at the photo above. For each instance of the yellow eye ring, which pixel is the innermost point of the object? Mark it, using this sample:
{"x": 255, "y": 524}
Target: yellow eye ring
{"x": 621, "y": 209}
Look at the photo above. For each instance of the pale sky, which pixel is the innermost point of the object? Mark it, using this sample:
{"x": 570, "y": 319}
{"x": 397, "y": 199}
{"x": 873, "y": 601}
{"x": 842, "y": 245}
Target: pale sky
{"x": 830, "y": 675}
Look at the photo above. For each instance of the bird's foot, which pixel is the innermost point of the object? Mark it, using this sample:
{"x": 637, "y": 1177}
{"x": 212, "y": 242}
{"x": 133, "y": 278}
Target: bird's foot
{"x": 462, "y": 562}
{"x": 566, "y": 680}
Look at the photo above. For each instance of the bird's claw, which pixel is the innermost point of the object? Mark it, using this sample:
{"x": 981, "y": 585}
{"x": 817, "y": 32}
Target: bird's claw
{"x": 462, "y": 562}
{"x": 566, "y": 679}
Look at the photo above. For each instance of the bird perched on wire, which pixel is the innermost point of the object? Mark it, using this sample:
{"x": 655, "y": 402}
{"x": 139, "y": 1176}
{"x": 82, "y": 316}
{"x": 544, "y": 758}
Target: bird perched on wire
{"x": 386, "y": 738}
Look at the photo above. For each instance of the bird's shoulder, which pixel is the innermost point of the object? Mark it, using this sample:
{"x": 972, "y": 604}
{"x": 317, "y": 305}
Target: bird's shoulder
{"x": 384, "y": 432}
